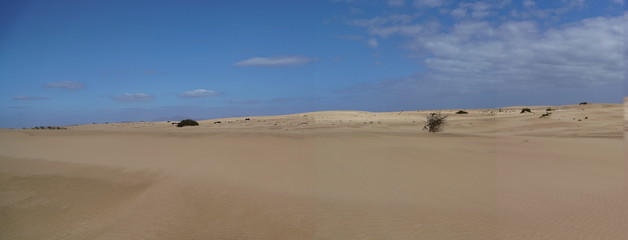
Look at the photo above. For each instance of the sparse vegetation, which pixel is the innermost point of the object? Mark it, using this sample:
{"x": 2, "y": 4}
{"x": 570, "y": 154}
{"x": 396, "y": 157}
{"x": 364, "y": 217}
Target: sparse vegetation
{"x": 50, "y": 128}
{"x": 583, "y": 103}
{"x": 549, "y": 109}
{"x": 435, "y": 122}
{"x": 526, "y": 110}
{"x": 187, "y": 122}
{"x": 462, "y": 112}
{"x": 547, "y": 114}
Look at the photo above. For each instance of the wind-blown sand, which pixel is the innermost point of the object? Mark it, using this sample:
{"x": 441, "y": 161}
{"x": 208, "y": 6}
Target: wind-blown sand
{"x": 325, "y": 175}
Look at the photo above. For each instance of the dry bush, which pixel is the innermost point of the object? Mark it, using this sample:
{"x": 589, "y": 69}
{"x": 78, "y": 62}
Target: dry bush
{"x": 435, "y": 122}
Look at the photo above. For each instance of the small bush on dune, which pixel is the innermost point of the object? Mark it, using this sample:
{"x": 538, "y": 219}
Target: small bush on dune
{"x": 545, "y": 115}
{"x": 187, "y": 122}
{"x": 583, "y": 103}
{"x": 549, "y": 109}
{"x": 435, "y": 122}
{"x": 462, "y": 112}
{"x": 526, "y": 110}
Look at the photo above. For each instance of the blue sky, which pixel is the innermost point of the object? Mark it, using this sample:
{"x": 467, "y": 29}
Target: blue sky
{"x": 72, "y": 62}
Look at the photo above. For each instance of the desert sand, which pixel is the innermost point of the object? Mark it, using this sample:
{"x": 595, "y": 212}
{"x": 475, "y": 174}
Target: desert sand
{"x": 492, "y": 174}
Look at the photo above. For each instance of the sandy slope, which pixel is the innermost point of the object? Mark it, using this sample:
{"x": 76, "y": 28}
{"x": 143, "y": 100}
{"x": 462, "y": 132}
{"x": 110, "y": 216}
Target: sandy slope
{"x": 326, "y": 175}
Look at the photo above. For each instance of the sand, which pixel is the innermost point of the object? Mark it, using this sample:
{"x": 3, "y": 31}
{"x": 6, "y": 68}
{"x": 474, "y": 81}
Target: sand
{"x": 492, "y": 174}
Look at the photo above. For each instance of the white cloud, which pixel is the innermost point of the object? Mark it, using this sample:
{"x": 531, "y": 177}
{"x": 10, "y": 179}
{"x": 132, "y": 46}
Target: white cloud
{"x": 529, "y": 3}
{"x": 28, "y": 98}
{"x": 429, "y": 3}
{"x": 396, "y": 3}
{"x": 393, "y": 24}
{"x": 350, "y": 37}
{"x": 458, "y": 12}
{"x": 577, "y": 3}
{"x": 380, "y": 21}
{"x": 480, "y": 9}
{"x": 372, "y": 42}
{"x": 67, "y": 85}
{"x": 199, "y": 93}
{"x": 475, "y": 10}
{"x": 478, "y": 55}
{"x": 407, "y": 30}
{"x": 275, "y": 61}
{"x": 134, "y": 97}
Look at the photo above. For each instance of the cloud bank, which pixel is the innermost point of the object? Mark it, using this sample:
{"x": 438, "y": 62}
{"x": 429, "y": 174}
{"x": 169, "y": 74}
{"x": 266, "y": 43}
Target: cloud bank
{"x": 66, "y": 85}
{"x": 133, "y": 97}
{"x": 28, "y": 98}
{"x": 199, "y": 93}
{"x": 275, "y": 61}
{"x": 476, "y": 55}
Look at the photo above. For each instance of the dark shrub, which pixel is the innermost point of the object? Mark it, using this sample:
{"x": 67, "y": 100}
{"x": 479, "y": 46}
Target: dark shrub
{"x": 247, "y": 119}
{"x": 435, "y": 122}
{"x": 217, "y": 122}
{"x": 187, "y": 122}
{"x": 545, "y": 115}
{"x": 462, "y": 112}
{"x": 50, "y": 128}
{"x": 525, "y": 110}
{"x": 583, "y": 103}
{"x": 549, "y": 109}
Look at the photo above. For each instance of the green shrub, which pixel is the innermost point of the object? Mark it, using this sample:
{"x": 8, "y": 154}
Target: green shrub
{"x": 462, "y": 112}
{"x": 187, "y": 122}
{"x": 526, "y": 110}
{"x": 435, "y": 122}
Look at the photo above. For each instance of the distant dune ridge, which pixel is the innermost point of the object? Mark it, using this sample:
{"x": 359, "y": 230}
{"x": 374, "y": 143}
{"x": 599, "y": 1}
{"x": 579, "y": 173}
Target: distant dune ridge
{"x": 491, "y": 174}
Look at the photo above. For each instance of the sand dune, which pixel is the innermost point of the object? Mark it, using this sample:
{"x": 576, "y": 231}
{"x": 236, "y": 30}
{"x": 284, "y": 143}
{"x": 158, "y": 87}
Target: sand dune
{"x": 493, "y": 174}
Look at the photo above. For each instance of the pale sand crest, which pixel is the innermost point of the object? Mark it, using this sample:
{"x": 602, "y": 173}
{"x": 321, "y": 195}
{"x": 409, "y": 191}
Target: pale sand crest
{"x": 326, "y": 175}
